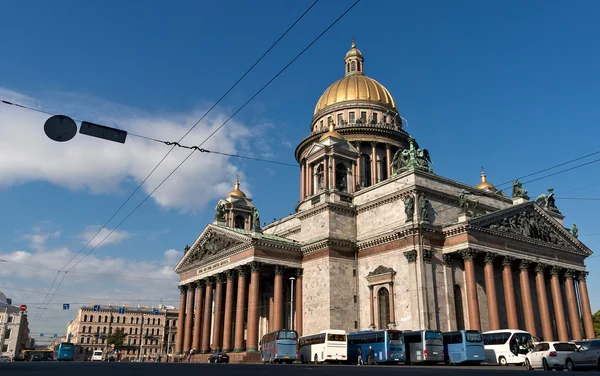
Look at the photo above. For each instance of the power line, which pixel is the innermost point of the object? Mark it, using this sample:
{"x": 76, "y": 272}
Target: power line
{"x": 226, "y": 121}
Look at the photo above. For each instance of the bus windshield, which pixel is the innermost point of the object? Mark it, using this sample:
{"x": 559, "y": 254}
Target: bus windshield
{"x": 336, "y": 337}
{"x": 66, "y": 346}
{"x": 395, "y": 337}
{"x": 432, "y": 335}
{"x": 473, "y": 336}
{"x": 287, "y": 334}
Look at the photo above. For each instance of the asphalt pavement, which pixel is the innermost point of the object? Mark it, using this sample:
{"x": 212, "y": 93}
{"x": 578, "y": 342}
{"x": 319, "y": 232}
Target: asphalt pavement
{"x": 162, "y": 369}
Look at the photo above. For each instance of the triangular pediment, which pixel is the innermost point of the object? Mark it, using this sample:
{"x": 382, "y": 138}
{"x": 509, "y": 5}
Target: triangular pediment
{"x": 315, "y": 148}
{"x": 213, "y": 241}
{"x": 342, "y": 147}
{"x": 529, "y": 221}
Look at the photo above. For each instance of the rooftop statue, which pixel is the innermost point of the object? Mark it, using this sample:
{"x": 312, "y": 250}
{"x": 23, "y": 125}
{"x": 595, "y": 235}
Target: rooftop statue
{"x": 220, "y": 210}
{"x": 518, "y": 191}
{"x": 411, "y": 159}
{"x": 547, "y": 201}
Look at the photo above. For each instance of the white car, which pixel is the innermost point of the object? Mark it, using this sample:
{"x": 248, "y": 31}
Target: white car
{"x": 549, "y": 355}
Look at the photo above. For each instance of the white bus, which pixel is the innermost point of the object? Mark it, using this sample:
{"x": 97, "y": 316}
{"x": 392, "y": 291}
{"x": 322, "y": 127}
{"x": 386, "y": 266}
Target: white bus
{"x": 327, "y": 346}
{"x": 96, "y": 356}
{"x": 506, "y": 346}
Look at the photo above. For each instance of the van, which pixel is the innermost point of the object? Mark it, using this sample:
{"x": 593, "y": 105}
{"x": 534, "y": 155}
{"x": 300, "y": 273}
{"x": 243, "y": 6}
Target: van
{"x": 97, "y": 355}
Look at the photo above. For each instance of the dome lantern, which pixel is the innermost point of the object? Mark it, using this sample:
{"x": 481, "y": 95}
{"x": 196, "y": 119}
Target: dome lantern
{"x": 354, "y": 60}
{"x": 236, "y": 189}
{"x": 486, "y": 185}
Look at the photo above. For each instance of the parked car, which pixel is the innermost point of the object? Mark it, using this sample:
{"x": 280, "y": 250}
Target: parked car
{"x": 586, "y": 356}
{"x": 549, "y": 355}
{"x": 4, "y": 358}
{"x": 218, "y": 357}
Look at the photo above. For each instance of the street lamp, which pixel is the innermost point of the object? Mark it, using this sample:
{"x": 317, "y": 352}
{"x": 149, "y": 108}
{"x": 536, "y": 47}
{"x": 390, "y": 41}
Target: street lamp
{"x": 292, "y": 279}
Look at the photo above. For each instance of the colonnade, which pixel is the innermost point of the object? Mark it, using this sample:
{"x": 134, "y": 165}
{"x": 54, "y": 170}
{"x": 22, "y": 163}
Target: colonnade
{"x": 225, "y": 308}
{"x": 574, "y": 283}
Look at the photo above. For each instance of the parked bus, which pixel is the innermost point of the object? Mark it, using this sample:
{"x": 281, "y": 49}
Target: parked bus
{"x": 387, "y": 345}
{"x": 463, "y": 346}
{"x": 64, "y": 351}
{"x": 423, "y": 346}
{"x": 507, "y": 346}
{"x": 279, "y": 346}
{"x": 327, "y": 346}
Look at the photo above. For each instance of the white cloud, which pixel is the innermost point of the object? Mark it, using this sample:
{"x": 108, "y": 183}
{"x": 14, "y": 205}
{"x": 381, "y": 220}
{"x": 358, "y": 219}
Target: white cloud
{"x": 101, "y": 240}
{"x": 37, "y": 240}
{"x": 100, "y": 166}
{"x": 172, "y": 256}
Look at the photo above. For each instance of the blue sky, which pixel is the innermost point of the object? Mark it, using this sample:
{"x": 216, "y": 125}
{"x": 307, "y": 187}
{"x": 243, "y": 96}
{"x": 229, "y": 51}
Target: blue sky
{"x": 510, "y": 86}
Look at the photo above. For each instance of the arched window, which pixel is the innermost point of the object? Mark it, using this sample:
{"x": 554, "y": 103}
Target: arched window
{"x": 383, "y": 304}
{"x": 91, "y": 318}
{"x": 383, "y": 169}
{"x": 320, "y": 177}
{"x": 157, "y": 332}
{"x": 104, "y": 330}
{"x": 358, "y": 63}
{"x": 83, "y": 329}
{"x": 153, "y": 321}
{"x": 158, "y": 322}
{"x": 341, "y": 177}
{"x": 239, "y": 221}
{"x": 84, "y": 318}
{"x": 137, "y": 320}
{"x": 136, "y": 331}
{"x": 105, "y": 318}
{"x": 98, "y": 329}
{"x": 458, "y": 307}
{"x": 347, "y": 67}
{"x": 130, "y": 330}
{"x": 131, "y": 320}
{"x": 118, "y": 320}
{"x": 365, "y": 170}
{"x": 353, "y": 66}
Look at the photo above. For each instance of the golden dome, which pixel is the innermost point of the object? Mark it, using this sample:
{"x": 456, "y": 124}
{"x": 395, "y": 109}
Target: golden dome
{"x": 484, "y": 183}
{"x": 331, "y": 133}
{"x": 355, "y": 87}
{"x": 236, "y": 189}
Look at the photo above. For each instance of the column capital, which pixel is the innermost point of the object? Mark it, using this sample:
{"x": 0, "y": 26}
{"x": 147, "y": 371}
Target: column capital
{"x": 193, "y": 285}
{"x": 182, "y": 288}
{"x": 299, "y": 272}
{"x": 242, "y": 270}
{"x": 373, "y": 143}
{"x": 210, "y": 280}
{"x": 220, "y": 278}
{"x": 200, "y": 283}
{"x": 489, "y": 258}
{"x": 388, "y": 146}
{"x": 447, "y": 258}
{"x": 428, "y": 255}
{"x": 468, "y": 254}
{"x": 540, "y": 268}
{"x": 569, "y": 273}
{"x": 556, "y": 270}
{"x": 231, "y": 274}
{"x": 524, "y": 265}
{"x": 411, "y": 256}
{"x": 507, "y": 261}
{"x": 279, "y": 269}
{"x": 255, "y": 266}
{"x": 582, "y": 275}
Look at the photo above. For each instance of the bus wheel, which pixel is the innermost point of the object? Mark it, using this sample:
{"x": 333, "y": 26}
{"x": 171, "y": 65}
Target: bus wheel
{"x": 502, "y": 361}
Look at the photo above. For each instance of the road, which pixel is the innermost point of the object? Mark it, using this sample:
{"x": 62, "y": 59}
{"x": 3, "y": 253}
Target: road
{"x": 162, "y": 369}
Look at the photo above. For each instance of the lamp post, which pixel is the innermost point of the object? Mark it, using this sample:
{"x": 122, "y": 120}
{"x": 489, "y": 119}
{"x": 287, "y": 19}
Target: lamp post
{"x": 292, "y": 279}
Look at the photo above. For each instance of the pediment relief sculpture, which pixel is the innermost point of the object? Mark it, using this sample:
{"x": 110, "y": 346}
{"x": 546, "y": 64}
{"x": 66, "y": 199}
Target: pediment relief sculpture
{"x": 211, "y": 244}
{"x": 531, "y": 225}
{"x": 381, "y": 270}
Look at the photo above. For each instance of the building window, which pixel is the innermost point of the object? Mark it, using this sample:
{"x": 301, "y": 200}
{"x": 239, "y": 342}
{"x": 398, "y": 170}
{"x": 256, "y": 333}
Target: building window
{"x": 353, "y": 66}
{"x": 321, "y": 125}
{"x": 384, "y": 119}
{"x": 118, "y": 320}
{"x": 83, "y": 329}
{"x": 7, "y": 333}
{"x": 136, "y": 331}
{"x": 84, "y": 318}
{"x": 340, "y": 119}
{"x": 341, "y": 177}
{"x": 130, "y": 330}
{"x": 131, "y": 321}
{"x": 137, "y": 320}
{"x": 365, "y": 170}
{"x": 351, "y": 118}
{"x": 347, "y": 67}
{"x": 355, "y": 324}
{"x": 458, "y": 307}
{"x": 358, "y": 64}
{"x": 329, "y": 121}
{"x": 320, "y": 176}
{"x": 363, "y": 116}
{"x": 383, "y": 304}
{"x": 374, "y": 117}
{"x": 157, "y": 332}
{"x": 383, "y": 169}
{"x": 158, "y": 322}
{"x": 355, "y": 299}
{"x": 239, "y": 221}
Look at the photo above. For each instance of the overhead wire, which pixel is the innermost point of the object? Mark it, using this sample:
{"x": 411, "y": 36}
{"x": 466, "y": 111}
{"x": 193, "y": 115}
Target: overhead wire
{"x": 214, "y": 132}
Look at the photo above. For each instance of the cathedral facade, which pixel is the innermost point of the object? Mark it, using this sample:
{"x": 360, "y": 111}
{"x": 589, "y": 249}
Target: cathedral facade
{"x": 378, "y": 240}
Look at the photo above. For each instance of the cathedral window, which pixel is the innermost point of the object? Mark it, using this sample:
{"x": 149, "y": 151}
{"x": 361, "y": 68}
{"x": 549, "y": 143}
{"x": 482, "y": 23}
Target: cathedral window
{"x": 341, "y": 177}
{"x": 365, "y": 170}
{"x": 383, "y": 169}
{"x": 340, "y": 119}
{"x": 347, "y": 67}
{"x": 384, "y": 119}
{"x": 328, "y": 120}
{"x": 351, "y": 118}
{"x": 358, "y": 63}
{"x": 320, "y": 177}
{"x": 321, "y": 125}
{"x": 383, "y": 305}
{"x": 363, "y": 116}
{"x": 353, "y": 66}
{"x": 374, "y": 117}
{"x": 239, "y": 221}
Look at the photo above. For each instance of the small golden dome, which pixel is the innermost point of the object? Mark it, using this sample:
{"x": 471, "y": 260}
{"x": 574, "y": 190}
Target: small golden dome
{"x": 354, "y": 52}
{"x": 355, "y": 87}
{"x": 331, "y": 133}
{"x": 236, "y": 189}
{"x": 484, "y": 183}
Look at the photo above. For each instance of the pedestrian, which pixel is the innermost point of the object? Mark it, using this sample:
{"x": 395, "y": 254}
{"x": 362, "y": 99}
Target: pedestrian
{"x": 360, "y": 359}
{"x": 371, "y": 356}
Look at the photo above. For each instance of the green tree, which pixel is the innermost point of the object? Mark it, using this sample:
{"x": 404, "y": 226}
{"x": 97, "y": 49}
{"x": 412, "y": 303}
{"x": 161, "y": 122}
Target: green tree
{"x": 596, "y": 321}
{"x": 117, "y": 339}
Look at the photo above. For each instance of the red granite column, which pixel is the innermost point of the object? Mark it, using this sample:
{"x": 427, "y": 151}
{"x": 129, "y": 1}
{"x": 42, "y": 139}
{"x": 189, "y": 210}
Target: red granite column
{"x": 181, "y": 318}
{"x": 302, "y": 181}
{"x": 253, "y": 308}
{"x": 572, "y": 306}
{"x": 490, "y": 291}
{"x": 392, "y": 308}
{"x": 586, "y": 309}
{"x": 299, "y": 312}
{"x": 217, "y": 323}
{"x": 189, "y": 318}
{"x": 471, "y": 287}
{"x": 207, "y": 316}
{"x": 358, "y": 183}
{"x": 388, "y": 159}
{"x": 333, "y": 177}
{"x": 278, "y": 298}
{"x": 240, "y": 313}
{"x": 559, "y": 310}
{"x": 374, "y": 175}
{"x": 526, "y": 298}
{"x": 326, "y": 173}
{"x": 542, "y": 296}
{"x": 197, "y": 339}
{"x": 509, "y": 294}
{"x": 228, "y": 321}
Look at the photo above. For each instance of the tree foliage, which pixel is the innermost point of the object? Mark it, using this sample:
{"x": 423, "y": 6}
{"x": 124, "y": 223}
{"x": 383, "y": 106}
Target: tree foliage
{"x": 116, "y": 338}
{"x": 596, "y": 321}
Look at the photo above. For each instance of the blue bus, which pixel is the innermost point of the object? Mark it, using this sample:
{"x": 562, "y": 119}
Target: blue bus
{"x": 279, "y": 346}
{"x": 64, "y": 351}
{"x": 463, "y": 346}
{"x": 388, "y": 346}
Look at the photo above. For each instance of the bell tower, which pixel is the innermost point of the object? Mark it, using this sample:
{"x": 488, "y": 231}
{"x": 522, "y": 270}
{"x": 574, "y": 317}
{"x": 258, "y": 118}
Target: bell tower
{"x": 236, "y": 210}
